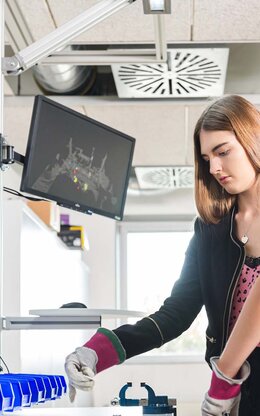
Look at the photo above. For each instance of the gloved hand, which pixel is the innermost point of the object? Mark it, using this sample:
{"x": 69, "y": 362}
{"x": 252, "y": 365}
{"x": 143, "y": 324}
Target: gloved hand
{"x": 224, "y": 394}
{"x": 80, "y": 367}
{"x": 102, "y": 351}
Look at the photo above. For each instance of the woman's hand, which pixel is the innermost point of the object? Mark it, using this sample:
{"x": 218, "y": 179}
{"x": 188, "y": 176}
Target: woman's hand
{"x": 80, "y": 367}
{"x": 224, "y": 394}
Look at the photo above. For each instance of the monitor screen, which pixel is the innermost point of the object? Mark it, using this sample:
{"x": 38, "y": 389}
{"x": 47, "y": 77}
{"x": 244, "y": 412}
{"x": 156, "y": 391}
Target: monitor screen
{"x": 76, "y": 161}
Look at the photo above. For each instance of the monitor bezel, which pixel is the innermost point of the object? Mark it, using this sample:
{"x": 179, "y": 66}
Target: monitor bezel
{"x": 30, "y": 150}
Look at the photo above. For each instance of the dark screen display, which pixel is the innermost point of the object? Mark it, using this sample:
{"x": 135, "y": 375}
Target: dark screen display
{"x": 76, "y": 161}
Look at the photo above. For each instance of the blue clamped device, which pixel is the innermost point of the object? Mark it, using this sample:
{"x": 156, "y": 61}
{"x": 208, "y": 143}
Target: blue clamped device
{"x": 153, "y": 405}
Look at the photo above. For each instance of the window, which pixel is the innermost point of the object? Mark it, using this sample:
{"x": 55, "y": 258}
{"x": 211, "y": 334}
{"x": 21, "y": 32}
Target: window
{"x": 151, "y": 258}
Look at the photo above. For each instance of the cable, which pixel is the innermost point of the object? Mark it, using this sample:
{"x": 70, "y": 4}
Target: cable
{"x": 6, "y": 366}
{"x": 14, "y": 192}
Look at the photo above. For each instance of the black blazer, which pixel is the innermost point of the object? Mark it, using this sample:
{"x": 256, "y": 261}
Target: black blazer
{"x": 212, "y": 266}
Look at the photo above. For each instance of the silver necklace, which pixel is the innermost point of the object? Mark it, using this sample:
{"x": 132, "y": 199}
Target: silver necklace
{"x": 244, "y": 239}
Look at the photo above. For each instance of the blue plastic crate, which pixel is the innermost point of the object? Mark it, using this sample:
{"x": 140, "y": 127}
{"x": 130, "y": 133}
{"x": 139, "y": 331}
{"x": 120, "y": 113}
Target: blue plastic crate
{"x": 6, "y": 396}
{"x": 19, "y": 390}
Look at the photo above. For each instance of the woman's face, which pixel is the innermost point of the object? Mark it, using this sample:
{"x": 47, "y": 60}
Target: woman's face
{"x": 227, "y": 160}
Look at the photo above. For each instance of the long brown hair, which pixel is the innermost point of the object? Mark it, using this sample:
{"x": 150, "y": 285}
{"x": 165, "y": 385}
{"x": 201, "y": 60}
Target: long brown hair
{"x": 230, "y": 113}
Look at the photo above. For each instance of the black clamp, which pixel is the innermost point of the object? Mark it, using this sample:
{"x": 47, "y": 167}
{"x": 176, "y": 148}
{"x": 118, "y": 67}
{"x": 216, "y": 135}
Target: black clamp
{"x": 8, "y": 155}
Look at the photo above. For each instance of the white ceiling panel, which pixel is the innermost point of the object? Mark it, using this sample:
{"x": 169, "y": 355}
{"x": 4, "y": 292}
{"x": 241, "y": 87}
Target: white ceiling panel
{"x": 226, "y": 20}
{"x": 37, "y": 17}
{"x": 158, "y": 129}
{"x": 208, "y": 21}
{"x": 128, "y": 25}
{"x": 17, "y": 124}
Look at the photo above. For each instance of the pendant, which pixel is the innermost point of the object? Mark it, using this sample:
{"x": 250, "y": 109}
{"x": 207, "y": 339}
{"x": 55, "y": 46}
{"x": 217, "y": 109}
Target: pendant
{"x": 244, "y": 239}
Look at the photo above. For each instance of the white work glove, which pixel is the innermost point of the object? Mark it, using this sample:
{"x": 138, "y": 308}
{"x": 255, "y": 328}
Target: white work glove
{"x": 224, "y": 395}
{"x": 80, "y": 367}
{"x": 101, "y": 351}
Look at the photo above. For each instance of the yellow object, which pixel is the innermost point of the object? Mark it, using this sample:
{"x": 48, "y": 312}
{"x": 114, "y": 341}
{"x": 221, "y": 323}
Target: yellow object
{"x": 82, "y": 234}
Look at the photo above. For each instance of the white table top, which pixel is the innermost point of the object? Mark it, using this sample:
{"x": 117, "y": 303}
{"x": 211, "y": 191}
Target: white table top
{"x": 78, "y": 411}
{"x": 105, "y": 313}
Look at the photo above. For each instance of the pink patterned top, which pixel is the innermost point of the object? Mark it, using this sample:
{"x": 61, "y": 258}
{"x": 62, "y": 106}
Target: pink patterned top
{"x": 247, "y": 278}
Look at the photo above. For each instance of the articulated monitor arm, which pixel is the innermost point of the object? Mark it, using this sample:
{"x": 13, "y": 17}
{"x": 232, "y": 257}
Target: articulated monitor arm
{"x": 60, "y": 37}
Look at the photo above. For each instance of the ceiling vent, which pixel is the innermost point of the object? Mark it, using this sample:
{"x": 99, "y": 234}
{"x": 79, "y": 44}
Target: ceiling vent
{"x": 189, "y": 73}
{"x": 166, "y": 177}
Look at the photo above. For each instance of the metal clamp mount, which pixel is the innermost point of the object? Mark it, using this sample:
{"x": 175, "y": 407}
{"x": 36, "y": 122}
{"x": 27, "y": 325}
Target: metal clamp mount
{"x": 153, "y": 405}
{"x": 6, "y": 153}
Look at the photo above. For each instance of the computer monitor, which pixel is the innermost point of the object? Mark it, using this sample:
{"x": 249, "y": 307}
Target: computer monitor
{"x": 76, "y": 161}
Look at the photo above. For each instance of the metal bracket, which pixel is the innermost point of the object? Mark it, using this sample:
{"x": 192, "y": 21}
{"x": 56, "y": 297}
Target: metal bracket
{"x": 39, "y": 322}
{"x": 6, "y": 154}
{"x": 11, "y": 66}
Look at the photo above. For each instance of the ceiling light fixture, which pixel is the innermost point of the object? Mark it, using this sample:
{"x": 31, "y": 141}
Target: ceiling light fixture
{"x": 189, "y": 72}
{"x": 164, "y": 177}
{"x": 157, "y": 6}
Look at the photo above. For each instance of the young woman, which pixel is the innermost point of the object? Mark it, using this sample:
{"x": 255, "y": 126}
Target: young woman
{"x": 220, "y": 270}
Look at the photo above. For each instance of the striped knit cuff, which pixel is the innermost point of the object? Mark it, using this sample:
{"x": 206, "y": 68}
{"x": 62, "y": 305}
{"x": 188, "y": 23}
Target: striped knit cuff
{"x": 222, "y": 390}
{"x": 108, "y": 348}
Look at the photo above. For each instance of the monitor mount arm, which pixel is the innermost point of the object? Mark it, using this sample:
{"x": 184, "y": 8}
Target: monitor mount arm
{"x": 8, "y": 155}
{"x": 60, "y": 37}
